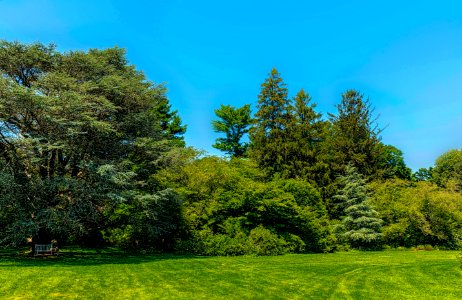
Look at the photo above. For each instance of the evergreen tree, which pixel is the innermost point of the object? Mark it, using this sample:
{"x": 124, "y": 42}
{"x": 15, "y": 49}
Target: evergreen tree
{"x": 306, "y": 132}
{"x": 361, "y": 225}
{"x": 80, "y": 135}
{"x": 170, "y": 122}
{"x": 355, "y": 135}
{"x": 235, "y": 123}
{"x": 269, "y": 136}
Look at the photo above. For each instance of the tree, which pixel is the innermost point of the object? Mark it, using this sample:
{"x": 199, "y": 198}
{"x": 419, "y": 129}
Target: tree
{"x": 423, "y": 174}
{"x": 170, "y": 122}
{"x": 361, "y": 224}
{"x": 391, "y": 163}
{"x": 288, "y": 134}
{"x": 80, "y": 134}
{"x": 418, "y": 213}
{"x": 269, "y": 135}
{"x": 235, "y": 123}
{"x": 448, "y": 170}
{"x": 355, "y": 135}
{"x": 305, "y": 134}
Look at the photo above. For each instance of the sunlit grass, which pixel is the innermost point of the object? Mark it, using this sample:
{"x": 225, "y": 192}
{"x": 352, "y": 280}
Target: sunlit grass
{"x": 114, "y": 275}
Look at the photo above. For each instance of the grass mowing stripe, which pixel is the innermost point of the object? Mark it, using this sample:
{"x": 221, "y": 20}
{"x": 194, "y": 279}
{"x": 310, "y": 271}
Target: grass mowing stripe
{"x": 352, "y": 275}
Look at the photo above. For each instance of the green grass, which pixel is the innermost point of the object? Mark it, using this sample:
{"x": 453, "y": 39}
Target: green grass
{"x": 350, "y": 275}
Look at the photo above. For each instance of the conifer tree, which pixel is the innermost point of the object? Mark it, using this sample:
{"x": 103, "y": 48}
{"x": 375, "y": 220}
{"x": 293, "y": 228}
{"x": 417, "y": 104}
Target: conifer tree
{"x": 235, "y": 123}
{"x": 306, "y": 134}
{"x": 355, "y": 135}
{"x": 361, "y": 224}
{"x": 269, "y": 136}
{"x": 81, "y": 133}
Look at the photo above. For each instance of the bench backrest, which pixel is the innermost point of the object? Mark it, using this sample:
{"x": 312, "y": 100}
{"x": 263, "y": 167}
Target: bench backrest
{"x": 43, "y": 247}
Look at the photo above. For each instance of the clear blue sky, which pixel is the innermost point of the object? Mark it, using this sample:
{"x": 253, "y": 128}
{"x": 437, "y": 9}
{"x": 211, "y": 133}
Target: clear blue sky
{"x": 405, "y": 55}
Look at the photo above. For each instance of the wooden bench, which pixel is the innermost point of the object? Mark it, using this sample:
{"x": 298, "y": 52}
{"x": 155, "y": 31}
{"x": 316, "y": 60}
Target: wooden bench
{"x": 45, "y": 249}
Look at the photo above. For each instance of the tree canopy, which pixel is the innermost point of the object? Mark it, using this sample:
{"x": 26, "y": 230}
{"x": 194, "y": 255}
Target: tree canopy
{"x": 92, "y": 154}
{"x": 80, "y": 132}
{"x": 234, "y": 123}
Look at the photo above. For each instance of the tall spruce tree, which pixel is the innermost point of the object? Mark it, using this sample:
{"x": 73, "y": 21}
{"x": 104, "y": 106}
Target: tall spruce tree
{"x": 269, "y": 135}
{"x": 306, "y": 132}
{"x": 355, "y": 135}
{"x": 234, "y": 123}
{"x": 361, "y": 225}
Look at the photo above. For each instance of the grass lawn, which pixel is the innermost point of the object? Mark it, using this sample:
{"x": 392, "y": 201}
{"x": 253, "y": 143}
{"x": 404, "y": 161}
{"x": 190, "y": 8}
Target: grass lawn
{"x": 351, "y": 275}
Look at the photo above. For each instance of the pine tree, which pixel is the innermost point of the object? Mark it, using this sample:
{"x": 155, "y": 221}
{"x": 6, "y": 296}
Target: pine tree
{"x": 269, "y": 136}
{"x": 355, "y": 135}
{"x": 361, "y": 224}
{"x": 306, "y": 131}
{"x": 235, "y": 123}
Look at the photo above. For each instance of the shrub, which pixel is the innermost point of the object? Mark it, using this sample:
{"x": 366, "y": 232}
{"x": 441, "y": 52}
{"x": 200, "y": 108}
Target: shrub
{"x": 226, "y": 206}
{"x": 264, "y": 242}
{"x": 419, "y": 214}
{"x": 294, "y": 244}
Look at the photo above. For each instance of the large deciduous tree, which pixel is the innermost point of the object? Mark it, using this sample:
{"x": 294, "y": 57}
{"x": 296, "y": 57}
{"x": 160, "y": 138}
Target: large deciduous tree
{"x": 391, "y": 163}
{"x": 80, "y": 132}
{"x": 448, "y": 170}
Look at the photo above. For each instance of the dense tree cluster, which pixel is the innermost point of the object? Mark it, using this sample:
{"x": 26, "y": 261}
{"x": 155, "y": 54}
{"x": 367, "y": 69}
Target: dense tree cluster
{"x": 91, "y": 153}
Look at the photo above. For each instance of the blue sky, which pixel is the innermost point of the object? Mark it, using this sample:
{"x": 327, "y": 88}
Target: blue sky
{"x": 406, "y": 56}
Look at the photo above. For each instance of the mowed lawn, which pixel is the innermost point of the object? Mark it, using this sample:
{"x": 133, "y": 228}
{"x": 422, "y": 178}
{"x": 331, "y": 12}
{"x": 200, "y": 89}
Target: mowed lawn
{"x": 349, "y": 275}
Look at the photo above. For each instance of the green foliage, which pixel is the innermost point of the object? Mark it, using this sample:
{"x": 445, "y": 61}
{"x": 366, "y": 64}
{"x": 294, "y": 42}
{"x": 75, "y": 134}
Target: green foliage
{"x": 225, "y": 200}
{"x": 391, "y": 163}
{"x": 259, "y": 241}
{"x": 305, "y": 133}
{"x": 148, "y": 221}
{"x": 423, "y": 174}
{"x": 418, "y": 214}
{"x": 287, "y": 135}
{"x": 264, "y": 242}
{"x": 234, "y": 122}
{"x": 269, "y": 135}
{"x": 92, "y": 153}
{"x": 448, "y": 170}
{"x": 80, "y": 133}
{"x": 361, "y": 224}
{"x": 355, "y": 135}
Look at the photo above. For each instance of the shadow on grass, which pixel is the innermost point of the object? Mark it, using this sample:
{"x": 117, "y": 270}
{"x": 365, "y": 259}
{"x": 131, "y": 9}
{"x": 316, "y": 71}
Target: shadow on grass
{"x": 82, "y": 257}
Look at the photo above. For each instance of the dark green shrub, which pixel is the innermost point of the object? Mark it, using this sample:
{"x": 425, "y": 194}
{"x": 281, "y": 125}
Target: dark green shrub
{"x": 264, "y": 242}
{"x": 294, "y": 244}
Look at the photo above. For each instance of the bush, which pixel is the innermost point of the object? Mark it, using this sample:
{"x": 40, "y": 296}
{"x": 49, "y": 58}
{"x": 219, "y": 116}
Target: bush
{"x": 264, "y": 242}
{"x": 223, "y": 245}
{"x": 423, "y": 248}
{"x": 294, "y": 244}
{"x": 419, "y": 214}
{"x": 227, "y": 205}
{"x": 259, "y": 241}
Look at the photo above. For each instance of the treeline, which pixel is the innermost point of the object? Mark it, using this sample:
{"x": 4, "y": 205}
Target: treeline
{"x": 92, "y": 154}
